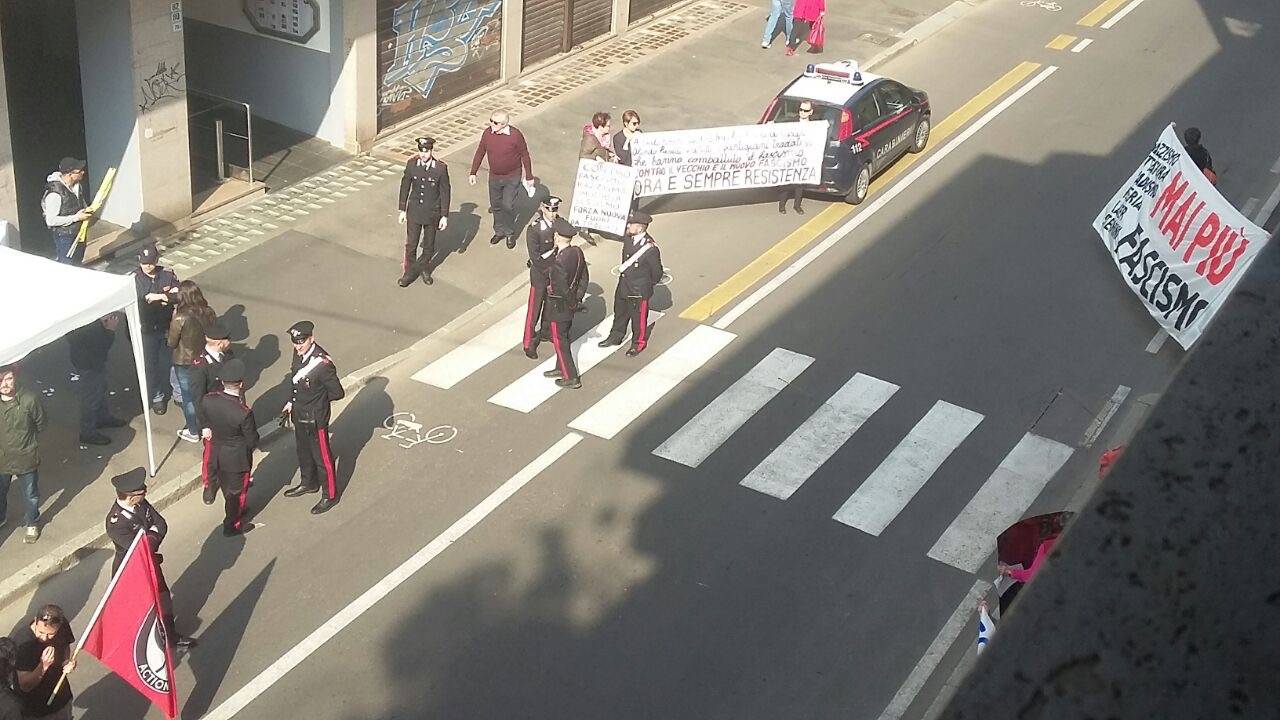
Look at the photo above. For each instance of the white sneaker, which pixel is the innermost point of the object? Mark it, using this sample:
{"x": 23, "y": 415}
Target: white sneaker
{"x": 186, "y": 435}
{"x": 33, "y": 534}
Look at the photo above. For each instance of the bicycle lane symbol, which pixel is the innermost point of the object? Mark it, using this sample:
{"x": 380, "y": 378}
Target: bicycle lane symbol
{"x": 405, "y": 428}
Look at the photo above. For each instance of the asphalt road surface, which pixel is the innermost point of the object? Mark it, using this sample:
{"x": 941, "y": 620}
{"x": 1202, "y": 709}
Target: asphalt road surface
{"x": 770, "y": 513}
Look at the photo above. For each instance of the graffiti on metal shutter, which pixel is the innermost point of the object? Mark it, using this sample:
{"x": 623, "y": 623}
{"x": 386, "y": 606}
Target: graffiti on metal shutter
{"x": 425, "y": 47}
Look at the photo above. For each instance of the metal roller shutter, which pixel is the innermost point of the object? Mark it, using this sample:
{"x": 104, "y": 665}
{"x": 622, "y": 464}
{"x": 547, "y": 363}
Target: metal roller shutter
{"x": 544, "y": 30}
{"x": 420, "y": 66}
{"x": 591, "y": 19}
{"x": 640, "y": 9}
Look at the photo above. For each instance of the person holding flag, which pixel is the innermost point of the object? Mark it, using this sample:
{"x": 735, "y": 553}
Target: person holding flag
{"x": 129, "y": 515}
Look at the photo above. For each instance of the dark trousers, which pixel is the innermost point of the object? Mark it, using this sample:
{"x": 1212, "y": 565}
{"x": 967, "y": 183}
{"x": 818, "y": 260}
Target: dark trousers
{"x": 799, "y": 31}
{"x": 235, "y": 497}
{"x": 502, "y": 203}
{"x": 795, "y": 192}
{"x": 535, "y": 324}
{"x": 633, "y": 311}
{"x": 63, "y": 239}
{"x": 315, "y": 458}
{"x": 30, "y": 481}
{"x": 563, "y": 341}
{"x": 157, "y": 357}
{"x": 426, "y": 233}
{"x": 92, "y": 388}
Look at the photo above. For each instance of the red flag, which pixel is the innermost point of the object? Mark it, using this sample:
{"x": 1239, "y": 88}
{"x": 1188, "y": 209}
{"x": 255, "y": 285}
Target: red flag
{"x": 127, "y": 631}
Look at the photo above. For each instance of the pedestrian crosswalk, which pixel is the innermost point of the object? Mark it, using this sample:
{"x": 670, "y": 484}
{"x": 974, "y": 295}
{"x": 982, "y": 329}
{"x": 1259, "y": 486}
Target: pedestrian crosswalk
{"x": 797, "y": 450}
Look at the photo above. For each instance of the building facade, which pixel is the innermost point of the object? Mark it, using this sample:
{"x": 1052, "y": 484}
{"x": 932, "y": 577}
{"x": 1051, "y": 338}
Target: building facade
{"x": 132, "y": 84}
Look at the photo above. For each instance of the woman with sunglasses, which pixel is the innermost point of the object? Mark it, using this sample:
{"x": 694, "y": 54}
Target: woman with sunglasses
{"x": 622, "y": 140}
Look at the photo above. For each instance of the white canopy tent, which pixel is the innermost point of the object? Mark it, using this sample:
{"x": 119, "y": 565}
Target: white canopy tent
{"x": 41, "y": 300}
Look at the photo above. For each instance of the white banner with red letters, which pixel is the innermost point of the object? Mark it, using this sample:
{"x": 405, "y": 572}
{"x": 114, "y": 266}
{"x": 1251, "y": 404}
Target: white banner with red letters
{"x": 729, "y": 158}
{"x": 1177, "y": 242}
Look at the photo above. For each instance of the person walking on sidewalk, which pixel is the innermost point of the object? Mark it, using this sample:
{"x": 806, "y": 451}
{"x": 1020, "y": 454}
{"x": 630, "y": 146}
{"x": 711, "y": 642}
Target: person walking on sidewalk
{"x": 64, "y": 208}
{"x": 22, "y": 419}
{"x": 778, "y": 9}
{"x": 231, "y": 436}
{"x": 568, "y": 281}
{"x": 43, "y": 656}
{"x": 312, "y": 385}
{"x": 186, "y": 338}
{"x": 157, "y": 288}
{"x": 90, "y": 346}
{"x": 541, "y": 241}
{"x": 640, "y": 271}
{"x": 508, "y": 154}
{"x": 424, "y": 206}
{"x": 795, "y": 192}
{"x": 130, "y": 513}
{"x": 807, "y": 12}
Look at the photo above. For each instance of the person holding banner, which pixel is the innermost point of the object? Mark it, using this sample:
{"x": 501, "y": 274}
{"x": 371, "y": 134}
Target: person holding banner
{"x": 540, "y": 239}
{"x": 640, "y": 271}
{"x": 64, "y": 207}
{"x": 796, "y": 192}
{"x": 129, "y": 514}
{"x": 43, "y": 657}
{"x": 568, "y": 283}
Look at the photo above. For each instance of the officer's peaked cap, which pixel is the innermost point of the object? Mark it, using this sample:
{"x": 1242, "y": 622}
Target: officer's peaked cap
{"x": 232, "y": 371}
{"x": 217, "y": 331}
{"x": 564, "y": 228}
{"x": 640, "y": 218}
{"x": 301, "y": 330}
{"x": 426, "y": 143}
{"x": 552, "y": 202}
{"x": 132, "y": 481}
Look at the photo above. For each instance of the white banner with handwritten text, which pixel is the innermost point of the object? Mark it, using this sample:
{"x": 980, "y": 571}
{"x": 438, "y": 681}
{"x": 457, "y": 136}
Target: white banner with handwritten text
{"x": 729, "y": 158}
{"x": 602, "y": 196}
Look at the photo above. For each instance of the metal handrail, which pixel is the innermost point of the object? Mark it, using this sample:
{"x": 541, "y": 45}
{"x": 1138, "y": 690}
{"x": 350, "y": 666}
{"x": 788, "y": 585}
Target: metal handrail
{"x": 248, "y": 122}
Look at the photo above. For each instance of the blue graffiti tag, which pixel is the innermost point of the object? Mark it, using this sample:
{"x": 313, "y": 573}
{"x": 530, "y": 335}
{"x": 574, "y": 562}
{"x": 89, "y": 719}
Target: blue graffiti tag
{"x": 425, "y": 51}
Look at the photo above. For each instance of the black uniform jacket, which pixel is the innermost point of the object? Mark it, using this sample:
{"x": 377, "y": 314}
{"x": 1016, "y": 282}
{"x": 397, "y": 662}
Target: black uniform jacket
{"x": 568, "y": 272}
{"x": 204, "y": 373}
{"x": 638, "y": 278}
{"x": 313, "y": 383}
{"x": 541, "y": 240}
{"x": 123, "y": 525}
{"x": 235, "y": 432}
{"x": 424, "y": 191}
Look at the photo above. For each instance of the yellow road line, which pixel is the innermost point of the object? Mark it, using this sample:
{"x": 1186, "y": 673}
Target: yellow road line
{"x": 1099, "y": 13}
{"x": 771, "y": 259}
{"x": 1061, "y": 42}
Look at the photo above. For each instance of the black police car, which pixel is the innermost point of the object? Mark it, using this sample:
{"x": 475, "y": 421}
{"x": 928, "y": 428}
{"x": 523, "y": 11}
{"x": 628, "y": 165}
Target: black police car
{"x": 871, "y": 122}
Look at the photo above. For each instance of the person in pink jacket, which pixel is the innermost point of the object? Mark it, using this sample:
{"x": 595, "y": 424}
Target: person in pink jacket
{"x": 805, "y": 14}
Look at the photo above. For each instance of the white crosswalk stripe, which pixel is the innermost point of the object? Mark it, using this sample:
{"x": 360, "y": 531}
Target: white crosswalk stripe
{"x": 819, "y": 437}
{"x": 1001, "y": 501}
{"x": 640, "y": 391}
{"x": 533, "y": 388}
{"x": 901, "y": 475}
{"x": 475, "y": 353}
{"x": 722, "y": 417}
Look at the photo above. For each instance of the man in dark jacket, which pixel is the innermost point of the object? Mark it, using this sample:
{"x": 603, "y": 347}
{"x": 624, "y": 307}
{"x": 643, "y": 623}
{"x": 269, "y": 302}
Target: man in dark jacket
{"x": 64, "y": 207}
{"x": 231, "y": 436}
{"x": 568, "y": 278}
{"x": 89, "y": 347}
{"x": 640, "y": 271}
{"x": 424, "y": 205}
{"x": 541, "y": 241}
{"x": 313, "y": 384}
{"x": 206, "y": 365}
{"x": 43, "y": 657}
{"x": 22, "y": 418}
{"x": 157, "y": 288}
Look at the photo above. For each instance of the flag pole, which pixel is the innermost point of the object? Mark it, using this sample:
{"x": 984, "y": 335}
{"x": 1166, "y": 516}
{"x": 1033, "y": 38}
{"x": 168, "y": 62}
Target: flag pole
{"x": 93, "y": 620}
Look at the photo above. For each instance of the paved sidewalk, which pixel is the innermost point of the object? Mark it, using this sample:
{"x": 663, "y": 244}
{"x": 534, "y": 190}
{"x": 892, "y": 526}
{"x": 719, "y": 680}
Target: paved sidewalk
{"x": 328, "y": 249}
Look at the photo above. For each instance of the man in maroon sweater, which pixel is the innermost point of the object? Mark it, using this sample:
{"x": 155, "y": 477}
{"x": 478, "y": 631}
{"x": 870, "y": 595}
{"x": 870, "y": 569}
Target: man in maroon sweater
{"x": 507, "y": 152}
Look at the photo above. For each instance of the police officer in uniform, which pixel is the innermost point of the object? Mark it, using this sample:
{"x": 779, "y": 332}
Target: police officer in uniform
{"x": 206, "y": 365}
{"x": 541, "y": 240}
{"x": 130, "y": 513}
{"x": 313, "y": 384}
{"x": 231, "y": 436}
{"x": 424, "y": 204}
{"x": 640, "y": 271}
{"x": 568, "y": 280}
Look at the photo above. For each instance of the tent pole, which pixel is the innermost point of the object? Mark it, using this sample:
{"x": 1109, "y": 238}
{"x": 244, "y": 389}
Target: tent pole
{"x": 135, "y": 337}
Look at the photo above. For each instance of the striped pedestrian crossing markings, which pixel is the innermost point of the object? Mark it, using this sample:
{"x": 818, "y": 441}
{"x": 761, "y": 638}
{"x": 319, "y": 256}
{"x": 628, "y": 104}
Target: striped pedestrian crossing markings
{"x": 1003, "y": 499}
{"x": 475, "y": 353}
{"x": 712, "y": 426}
{"x": 819, "y": 437}
{"x": 892, "y": 485}
{"x": 533, "y": 388}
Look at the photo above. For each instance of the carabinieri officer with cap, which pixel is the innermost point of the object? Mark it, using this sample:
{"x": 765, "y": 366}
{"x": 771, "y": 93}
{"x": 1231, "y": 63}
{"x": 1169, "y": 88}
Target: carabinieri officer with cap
{"x": 313, "y": 384}
{"x": 130, "y": 513}
{"x": 541, "y": 241}
{"x": 568, "y": 282}
{"x": 640, "y": 271}
{"x": 424, "y": 204}
{"x": 231, "y": 436}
